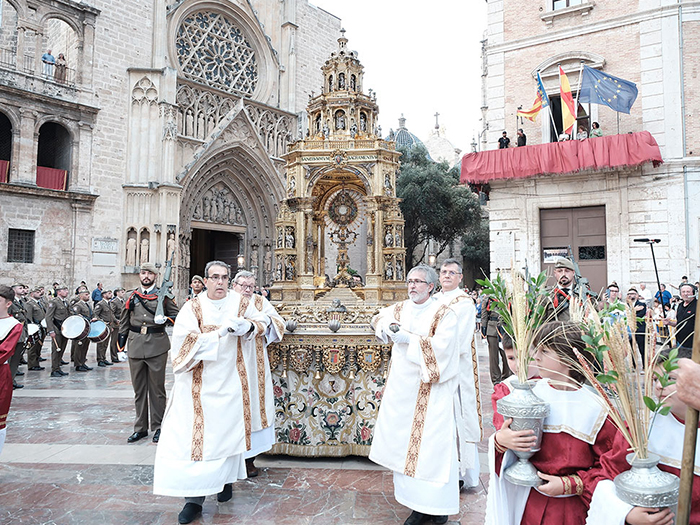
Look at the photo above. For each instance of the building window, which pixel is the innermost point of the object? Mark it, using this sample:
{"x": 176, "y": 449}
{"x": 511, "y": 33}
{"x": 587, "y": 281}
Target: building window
{"x": 213, "y": 50}
{"x": 563, "y": 4}
{"x": 20, "y": 246}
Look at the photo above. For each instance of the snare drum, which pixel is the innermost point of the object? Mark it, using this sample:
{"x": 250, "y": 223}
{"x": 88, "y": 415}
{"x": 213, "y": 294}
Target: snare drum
{"x": 99, "y": 331}
{"x": 75, "y": 327}
{"x": 33, "y": 334}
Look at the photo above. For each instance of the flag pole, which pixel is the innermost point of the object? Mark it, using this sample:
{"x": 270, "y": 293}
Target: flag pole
{"x": 578, "y": 91}
{"x": 549, "y": 107}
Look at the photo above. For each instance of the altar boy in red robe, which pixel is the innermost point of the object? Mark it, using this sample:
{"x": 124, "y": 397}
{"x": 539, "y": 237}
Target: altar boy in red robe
{"x": 666, "y": 441}
{"x": 576, "y": 433}
{"x": 10, "y": 332}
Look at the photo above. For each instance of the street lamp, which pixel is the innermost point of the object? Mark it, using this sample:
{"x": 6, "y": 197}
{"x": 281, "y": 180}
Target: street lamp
{"x": 240, "y": 260}
{"x": 431, "y": 260}
{"x": 651, "y": 243}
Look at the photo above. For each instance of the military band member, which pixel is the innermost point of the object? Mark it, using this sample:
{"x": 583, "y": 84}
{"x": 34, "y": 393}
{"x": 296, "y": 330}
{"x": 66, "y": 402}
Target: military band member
{"x": 557, "y": 307}
{"x": 104, "y": 313}
{"x": 18, "y": 311}
{"x": 147, "y": 345}
{"x": 57, "y": 312}
{"x": 79, "y": 347}
{"x": 35, "y": 315}
{"x": 117, "y": 307}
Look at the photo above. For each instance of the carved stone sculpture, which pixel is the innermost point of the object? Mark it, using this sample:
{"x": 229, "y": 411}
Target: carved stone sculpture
{"x": 131, "y": 252}
{"x": 144, "y": 251}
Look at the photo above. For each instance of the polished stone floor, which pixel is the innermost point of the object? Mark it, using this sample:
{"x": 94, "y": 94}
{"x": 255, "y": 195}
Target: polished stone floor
{"x": 66, "y": 461}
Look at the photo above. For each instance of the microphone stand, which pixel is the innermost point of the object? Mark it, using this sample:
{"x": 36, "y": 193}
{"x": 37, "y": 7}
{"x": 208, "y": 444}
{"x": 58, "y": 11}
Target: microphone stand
{"x": 651, "y": 243}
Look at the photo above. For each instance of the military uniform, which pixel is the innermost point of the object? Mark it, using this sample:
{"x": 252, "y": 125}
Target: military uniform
{"x": 490, "y": 321}
{"x": 147, "y": 346}
{"x": 79, "y": 347}
{"x": 56, "y": 313}
{"x": 18, "y": 311}
{"x": 104, "y": 313}
{"x": 35, "y": 314}
{"x": 117, "y": 307}
{"x": 557, "y": 303}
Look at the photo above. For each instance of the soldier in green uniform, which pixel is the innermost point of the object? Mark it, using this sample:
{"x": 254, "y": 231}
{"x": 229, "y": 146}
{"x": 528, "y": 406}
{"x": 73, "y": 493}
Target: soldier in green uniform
{"x": 56, "y": 313}
{"x": 35, "y": 314}
{"x": 18, "y": 311}
{"x": 79, "y": 347}
{"x": 117, "y": 307}
{"x": 147, "y": 346}
{"x": 104, "y": 313}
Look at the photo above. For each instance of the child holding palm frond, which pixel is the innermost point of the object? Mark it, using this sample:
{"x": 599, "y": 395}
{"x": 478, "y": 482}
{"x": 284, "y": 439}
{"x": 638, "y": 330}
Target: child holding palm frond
{"x": 576, "y": 434}
{"x": 665, "y": 440}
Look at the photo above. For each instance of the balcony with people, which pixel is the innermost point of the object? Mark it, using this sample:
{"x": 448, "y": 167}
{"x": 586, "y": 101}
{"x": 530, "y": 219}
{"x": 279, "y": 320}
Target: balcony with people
{"x": 44, "y": 51}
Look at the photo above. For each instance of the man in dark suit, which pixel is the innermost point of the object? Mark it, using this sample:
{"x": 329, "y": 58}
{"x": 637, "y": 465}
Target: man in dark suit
{"x": 147, "y": 346}
{"x": 56, "y": 313}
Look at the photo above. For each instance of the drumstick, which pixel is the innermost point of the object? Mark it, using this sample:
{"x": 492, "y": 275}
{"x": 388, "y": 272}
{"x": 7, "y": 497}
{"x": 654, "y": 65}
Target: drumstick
{"x": 685, "y": 491}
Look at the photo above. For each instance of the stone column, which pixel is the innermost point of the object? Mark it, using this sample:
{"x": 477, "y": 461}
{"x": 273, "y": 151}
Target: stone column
{"x": 26, "y": 151}
{"x": 81, "y": 158}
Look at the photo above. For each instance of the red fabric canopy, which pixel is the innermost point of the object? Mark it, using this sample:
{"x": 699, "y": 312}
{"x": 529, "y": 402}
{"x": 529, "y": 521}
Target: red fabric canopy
{"x": 4, "y": 169}
{"x": 51, "y": 178}
{"x": 612, "y": 151}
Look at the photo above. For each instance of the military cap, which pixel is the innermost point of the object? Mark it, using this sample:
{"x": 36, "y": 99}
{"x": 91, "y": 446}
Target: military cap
{"x": 149, "y": 267}
{"x": 61, "y": 287}
{"x": 37, "y": 289}
{"x": 563, "y": 262}
{"x": 19, "y": 284}
{"x": 197, "y": 278}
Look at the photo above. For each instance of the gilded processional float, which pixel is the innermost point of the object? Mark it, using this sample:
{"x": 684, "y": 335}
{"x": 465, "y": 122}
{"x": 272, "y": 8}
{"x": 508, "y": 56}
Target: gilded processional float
{"x": 338, "y": 258}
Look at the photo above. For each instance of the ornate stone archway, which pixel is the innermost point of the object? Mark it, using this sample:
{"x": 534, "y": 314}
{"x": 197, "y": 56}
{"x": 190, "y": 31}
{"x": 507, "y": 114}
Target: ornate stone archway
{"x": 235, "y": 188}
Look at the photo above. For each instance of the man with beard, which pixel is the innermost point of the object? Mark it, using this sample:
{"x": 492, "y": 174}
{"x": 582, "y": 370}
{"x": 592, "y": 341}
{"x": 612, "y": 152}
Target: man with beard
{"x": 557, "y": 307}
{"x": 148, "y": 346}
{"x": 467, "y": 400}
{"x": 207, "y": 428}
{"x": 262, "y": 402}
{"x": 415, "y": 435}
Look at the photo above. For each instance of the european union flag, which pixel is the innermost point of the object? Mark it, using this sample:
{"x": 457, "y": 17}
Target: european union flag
{"x": 541, "y": 91}
{"x": 600, "y": 88}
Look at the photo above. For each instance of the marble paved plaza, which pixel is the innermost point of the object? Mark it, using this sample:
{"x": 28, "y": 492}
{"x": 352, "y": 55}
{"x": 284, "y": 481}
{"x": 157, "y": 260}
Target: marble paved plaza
{"x": 66, "y": 461}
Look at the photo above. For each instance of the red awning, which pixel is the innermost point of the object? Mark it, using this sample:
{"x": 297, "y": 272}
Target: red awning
{"x": 598, "y": 153}
{"x": 51, "y": 178}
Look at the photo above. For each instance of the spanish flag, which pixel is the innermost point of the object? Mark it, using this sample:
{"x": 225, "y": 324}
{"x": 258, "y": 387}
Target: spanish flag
{"x": 568, "y": 109}
{"x": 531, "y": 114}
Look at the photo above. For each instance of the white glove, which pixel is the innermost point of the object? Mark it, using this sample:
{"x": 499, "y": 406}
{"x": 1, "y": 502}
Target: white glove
{"x": 400, "y": 337}
{"x": 223, "y": 331}
{"x": 242, "y": 328}
{"x": 160, "y": 319}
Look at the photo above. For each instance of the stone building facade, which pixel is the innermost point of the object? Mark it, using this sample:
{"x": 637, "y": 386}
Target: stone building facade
{"x": 653, "y": 43}
{"x": 161, "y": 136}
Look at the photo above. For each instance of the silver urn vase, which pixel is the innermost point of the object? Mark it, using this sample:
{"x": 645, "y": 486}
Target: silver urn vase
{"x": 528, "y": 412}
{"x": 645, "y": 485}
{"x": 291, "y": 325}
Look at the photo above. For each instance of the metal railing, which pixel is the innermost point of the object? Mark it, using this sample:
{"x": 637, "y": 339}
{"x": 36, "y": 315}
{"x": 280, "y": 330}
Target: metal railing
{"x": 49, "y": 72}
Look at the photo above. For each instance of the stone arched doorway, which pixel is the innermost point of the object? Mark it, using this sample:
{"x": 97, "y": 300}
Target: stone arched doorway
{"x": 228, "y": 209}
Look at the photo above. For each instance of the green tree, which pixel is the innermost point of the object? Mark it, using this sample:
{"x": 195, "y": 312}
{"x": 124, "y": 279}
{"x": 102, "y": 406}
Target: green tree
{"x": 435, "y": 205}
{"x": 476, "y": 252}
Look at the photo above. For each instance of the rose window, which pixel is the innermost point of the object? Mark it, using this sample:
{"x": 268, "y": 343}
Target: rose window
{"x": 212, "y": 50}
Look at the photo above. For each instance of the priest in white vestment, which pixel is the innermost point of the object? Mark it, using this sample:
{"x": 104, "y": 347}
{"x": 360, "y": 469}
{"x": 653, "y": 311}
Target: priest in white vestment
{"x": 262, "y": 400}
{"x": 206, "y": 429}
{"x": 468, "y": 398}
{"x": 415, "y": 435}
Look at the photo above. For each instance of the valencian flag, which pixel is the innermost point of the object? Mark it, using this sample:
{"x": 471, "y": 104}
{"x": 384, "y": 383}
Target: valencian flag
{"x": 541, "y": 101}
{"x": 600, "y": 88}
{"x": 568, "y": 111}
